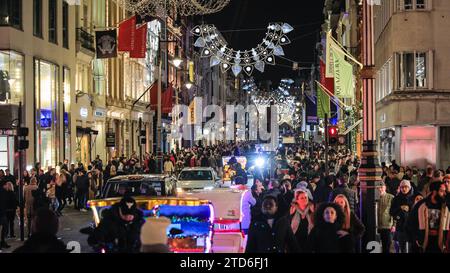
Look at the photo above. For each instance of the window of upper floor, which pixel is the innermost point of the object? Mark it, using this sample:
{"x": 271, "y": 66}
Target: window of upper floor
{"x": 411, "y": 5}
{"x": 11, "y": 13}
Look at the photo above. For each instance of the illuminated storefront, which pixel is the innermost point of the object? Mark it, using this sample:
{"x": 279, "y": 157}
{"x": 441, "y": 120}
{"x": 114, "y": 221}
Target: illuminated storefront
{"x": 48, "y": 117}
{"x": 11, "y": 93}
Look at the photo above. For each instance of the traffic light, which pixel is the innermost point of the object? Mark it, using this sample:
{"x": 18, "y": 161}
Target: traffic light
{"x": 23, "y": 143}
{"x": 332, "y": 135}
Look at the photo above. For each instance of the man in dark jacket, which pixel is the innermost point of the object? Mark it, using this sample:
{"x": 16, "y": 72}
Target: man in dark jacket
{"x": 82, "y": 185}
{"x": 400, "y": 208}
{"x": 426, "y": 180}
{"x": 43, "y": 240}
{"x": 428, "y": 234}
{"x": 119, "y": 230}
{"x": 392, "y": 182}
{"x": 271, "y": 233}
{"x": 324, "y": 189}
{"x": 344, "y": 189}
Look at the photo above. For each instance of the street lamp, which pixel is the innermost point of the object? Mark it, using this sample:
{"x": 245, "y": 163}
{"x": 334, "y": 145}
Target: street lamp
{"x": 177, "y": 62}
{"x": 189, "y": 85}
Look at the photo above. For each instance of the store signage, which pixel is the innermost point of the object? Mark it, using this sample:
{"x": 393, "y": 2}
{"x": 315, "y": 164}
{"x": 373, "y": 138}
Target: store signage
{"x": 99, "y": 113}
{"x": 110, "y": 140}
{"x": 83, "y": 112}
{"x": 7, "y": 132}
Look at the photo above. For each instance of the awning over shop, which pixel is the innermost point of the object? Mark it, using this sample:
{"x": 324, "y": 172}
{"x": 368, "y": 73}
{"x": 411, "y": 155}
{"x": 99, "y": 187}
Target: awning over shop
{"x": 349, "y": 129}
{"x": 86, "y": 131}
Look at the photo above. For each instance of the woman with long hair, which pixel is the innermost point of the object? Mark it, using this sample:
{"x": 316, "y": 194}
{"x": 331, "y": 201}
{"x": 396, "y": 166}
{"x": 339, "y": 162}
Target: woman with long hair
{"x": 352, "y": 223}
{"x": 29, "y": 201}
{"x": 301, "y": 217}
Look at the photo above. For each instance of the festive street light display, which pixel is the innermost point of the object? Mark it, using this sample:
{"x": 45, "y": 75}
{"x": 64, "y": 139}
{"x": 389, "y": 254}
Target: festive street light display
{"x": 160, "y": 8}
{"x": 214, "y": 46}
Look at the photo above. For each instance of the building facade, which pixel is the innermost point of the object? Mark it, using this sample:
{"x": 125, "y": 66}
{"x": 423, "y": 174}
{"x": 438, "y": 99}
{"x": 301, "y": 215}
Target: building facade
{"x": 412, "y": 85}
{"x": 38, "y": 67}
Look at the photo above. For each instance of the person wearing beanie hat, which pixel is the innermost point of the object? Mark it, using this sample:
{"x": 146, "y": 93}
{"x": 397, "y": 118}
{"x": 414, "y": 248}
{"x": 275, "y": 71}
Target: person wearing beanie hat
{"x": 430, "y": 220}
{"x": 400, "y": 209}
{"x": 405, "y": 183}
{"x": 119, "y": 229}
{"x": 154, "y": 235}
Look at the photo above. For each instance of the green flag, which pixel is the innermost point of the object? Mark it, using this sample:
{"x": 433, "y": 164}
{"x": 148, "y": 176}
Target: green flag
{"x": 323, "y": 103}
{"x": 343, "y": 76}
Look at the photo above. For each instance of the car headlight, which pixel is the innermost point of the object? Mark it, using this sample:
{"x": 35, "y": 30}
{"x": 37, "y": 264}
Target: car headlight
{"x": 208, "y": 188}
{"x": 179, "y": 190}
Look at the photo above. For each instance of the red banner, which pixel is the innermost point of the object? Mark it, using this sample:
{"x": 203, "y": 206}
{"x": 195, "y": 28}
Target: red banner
{"x": 140, "y": 43}
{"x": 328, "y": 83}
{"x": 127, "y": 30}
{"x": 154, "y": 96}
{"x": 167, "y": 100}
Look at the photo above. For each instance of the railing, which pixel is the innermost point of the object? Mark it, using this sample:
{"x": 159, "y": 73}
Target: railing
{"x": 86, "y": 40}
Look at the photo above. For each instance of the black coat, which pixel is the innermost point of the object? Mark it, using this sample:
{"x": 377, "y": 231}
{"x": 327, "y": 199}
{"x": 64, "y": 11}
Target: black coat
{"x": 324, "y": 239}
{"x": 278, "y": 239}
{"x": 42, "y": 243}
{"x": 11, "y": 201}
{"x": 400, "y": 216}
{"x": 113, "y": 231}
{"x": 3, "y": 201}
{"x": 322, "y": 193}
{"x": 82, "y": 184}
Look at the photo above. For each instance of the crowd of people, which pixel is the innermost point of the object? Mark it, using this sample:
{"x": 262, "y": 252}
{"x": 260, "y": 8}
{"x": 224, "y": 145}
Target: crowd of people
{"x": 314, "y": 208}
{"x": 297, "y": 204}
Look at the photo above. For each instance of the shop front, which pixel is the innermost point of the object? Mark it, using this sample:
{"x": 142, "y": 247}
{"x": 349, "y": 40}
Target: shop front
{"x": 48, "y": 114}
{"x": 11, "y": 93}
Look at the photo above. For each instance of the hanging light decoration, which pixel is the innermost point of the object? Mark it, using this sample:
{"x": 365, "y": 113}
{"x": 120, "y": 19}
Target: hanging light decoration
{"x": 160, "y": 8}
{"x": 213, "y": 45}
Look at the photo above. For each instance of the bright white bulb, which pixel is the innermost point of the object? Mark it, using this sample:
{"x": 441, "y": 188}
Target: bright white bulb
{"x": 177, "y": 62}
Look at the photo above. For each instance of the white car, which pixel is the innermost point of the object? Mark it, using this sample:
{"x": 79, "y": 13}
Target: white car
{"x": 198, "y": 178}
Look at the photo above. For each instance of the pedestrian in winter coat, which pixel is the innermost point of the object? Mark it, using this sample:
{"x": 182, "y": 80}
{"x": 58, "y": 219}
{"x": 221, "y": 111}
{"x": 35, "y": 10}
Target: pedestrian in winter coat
{"x": 168, "y": 167}
{"x": 429, "y": 221}
{"x": 400, "y": 208}
{"x": 385, "y": 221}
{"x": 350, "y": 194}
{"x": 11, "y": 207}
{"x": 43, "y": 240}
{"x": 301, "y": 216}
{"x": 3, "y": 218}
{"x": 271, "y": 233}
{"x": 29, "y": 201}
{"x": 392, "y": 182}
{"x": 352, "y": 223}
{"x": 120, "y": 228}
{"x": 327, "y": 235}
{"x": 61, "y": 192}
{"x": 324, "y": 189}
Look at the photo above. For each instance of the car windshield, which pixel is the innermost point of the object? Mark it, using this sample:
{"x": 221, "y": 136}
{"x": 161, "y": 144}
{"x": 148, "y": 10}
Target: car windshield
{"x": 196, "y": 175}
{"x": 134, "y": 188}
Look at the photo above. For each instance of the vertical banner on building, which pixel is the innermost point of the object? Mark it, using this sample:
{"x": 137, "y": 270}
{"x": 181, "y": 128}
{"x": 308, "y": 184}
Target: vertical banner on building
{"x": 127, "y": 31}
{"x": 329, "y": 68}
{"x": 167, "y": 100}
{"x": 140, "y": 45}
{"x": 311, "y": 111}
{"x": 343, "y": 76}
{"x": 106, "y": 44}
{"x": 323, "y": 103}
{"x": 191, "y": 72}
{"x": 192, "y": 112}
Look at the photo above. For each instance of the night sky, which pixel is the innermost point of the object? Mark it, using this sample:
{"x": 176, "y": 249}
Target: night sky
{"x": 306, "y": 16}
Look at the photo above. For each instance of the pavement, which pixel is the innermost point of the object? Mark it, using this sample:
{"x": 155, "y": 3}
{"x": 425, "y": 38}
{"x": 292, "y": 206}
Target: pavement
{"x": 70, "y": 224}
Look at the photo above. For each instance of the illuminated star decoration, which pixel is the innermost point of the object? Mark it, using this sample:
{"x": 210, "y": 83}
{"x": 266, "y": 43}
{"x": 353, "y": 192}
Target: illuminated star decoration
{"x": 215, "y": 47}
{"x": 287, "y": 108}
